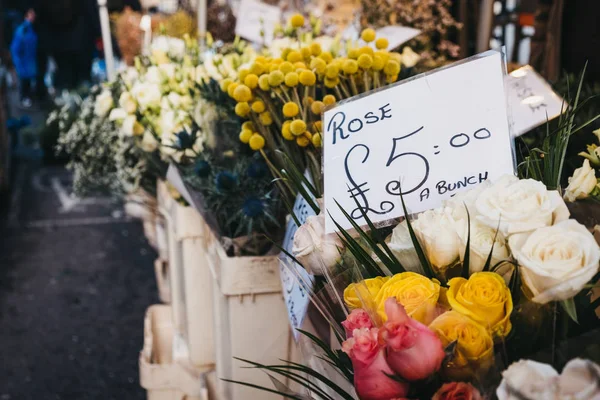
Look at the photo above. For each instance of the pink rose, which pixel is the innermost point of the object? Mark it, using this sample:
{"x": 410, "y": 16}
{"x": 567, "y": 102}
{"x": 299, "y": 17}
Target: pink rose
{"x": 357, "y": 319}
{"x": 457, "y": 391}
{"x": 370, "y": 367}
{"x": 413, "y": 351}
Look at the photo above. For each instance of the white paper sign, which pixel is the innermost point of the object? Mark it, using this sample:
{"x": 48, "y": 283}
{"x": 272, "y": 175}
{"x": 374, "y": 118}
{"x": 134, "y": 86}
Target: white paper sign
{"x": 254, "y": 17}
{"x": 430, "y": 137}
{"x": 531, "y": 99}
{"x": 296, "y": 298}
{"x": 397, "y": 35}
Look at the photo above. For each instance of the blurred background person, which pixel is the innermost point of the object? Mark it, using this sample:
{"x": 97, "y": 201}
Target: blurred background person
{"x": 24, "y": 55}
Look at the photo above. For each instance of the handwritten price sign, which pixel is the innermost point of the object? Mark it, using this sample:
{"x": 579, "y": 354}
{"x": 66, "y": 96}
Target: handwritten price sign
{"x": 426, "y": 139}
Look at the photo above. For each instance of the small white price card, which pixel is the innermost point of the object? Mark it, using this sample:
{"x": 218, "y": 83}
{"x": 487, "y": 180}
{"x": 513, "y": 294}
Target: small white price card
{"x": 255, "y": 17}
{"x": 427, "y": 138}
{"x": 397, "y": 35}
{"x": 294, "y": 294}
{"x": 531, "y": 99}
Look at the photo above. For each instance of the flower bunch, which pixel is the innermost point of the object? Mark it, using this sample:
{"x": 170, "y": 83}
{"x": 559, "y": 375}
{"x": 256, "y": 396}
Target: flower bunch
{"x": 584, "y": 184}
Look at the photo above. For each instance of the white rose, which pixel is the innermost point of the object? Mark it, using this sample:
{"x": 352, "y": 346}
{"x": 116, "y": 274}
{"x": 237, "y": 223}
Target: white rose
{"x": 104, "y": 102}
{"x": 131, "y": 127}
{"x": 117, "y": 114}
{"x": 409, "y": 57}
{"x": 579, "y": 380}
{"x": 482, "y": 239}
{"x": 147, "y": 95}
{"x": 313, "y": 248}
{"x": 521, "y": 205}
{"x": 127, "y": 102}
{"x": 437, "y": 234}
{"x": 556, "y": 261}
{"x": 149, "y": 142}
{"x": 154, "y": 75}
{"x": 401, "y": 244}
{"x": 528, "y": 379}
{"x": 466, "y": 198}
{"x": 581, "y": 183}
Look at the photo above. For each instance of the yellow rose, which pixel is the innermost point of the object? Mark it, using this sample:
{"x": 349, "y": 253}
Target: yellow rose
{"x": 484, "y": 298}
{"x": 418, "y": 294}
{"x": 355, "y": 300}
{"x": 474, "y": 350}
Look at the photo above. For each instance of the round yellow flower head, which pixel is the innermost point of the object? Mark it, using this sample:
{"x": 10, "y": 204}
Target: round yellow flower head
{"x": 231, "y": 88}
{"x": 242, "y": 93}
{"x": 294, "y": 56}
{"x": 242, "y": 108}
{"x": 276, "y": 78}
{"x": 316, "y": 140}
{"x": 350, "y": 67}
{"x": 382, "y": 43}
{"x": 291, "y": 79}
{"x": 263, "y": 82}
{"x": 392, "y": 68}
{"x": 418, "y": 294}
{"x": 286, "y": 132}
{"x": 298, "y": 127}
{"x": 378, "y": 63}
{"x": 305, "y": 51}
{"x": 307, "y": 78}
{"x": 484, "y": 298}
{"x": 245, "y": 135}
{"x": 329, "y": 99}
{"x": 391, "y": 78}
{"x": 225, "y": 84}
{"x": 331, "y": 83}
{"x": 265, "y": 118}
{"x": 257, "y": 68}
{"x": 365, "y": 61}
{"x": 326, "y": 56}
{"x": 258, "y": 106}
{"x": 260, "y": 59}
{"x": 385, "y": 55}
{"x": 315, "y": 49}
{"x": 251, "y": 81}
{"x": 286, "y": 67}
{"x": 366, "y": 50}
{"x": 368, "y": 35}
{"x": 317, "y": 107}
{"x": 353, "y": 53}
{"x": 248, "y": 125}
{"x": 273, "y": 67}
{"x": 299, "y": 66}
{"x": 277, "y": 60}
{"x": 396, "y": 57}
{"x": 363, "y": 292}
{"x": 257, "y": 142}
{"x": 332, "y": 71}
{"x": 318, "y": 65}
{"x": 243, "y": 73}
{"x": 318, "y": 126}
{"x": 297, "y": 21}
{"x": 302, "y": 141}
{"x": 290, "y": 109}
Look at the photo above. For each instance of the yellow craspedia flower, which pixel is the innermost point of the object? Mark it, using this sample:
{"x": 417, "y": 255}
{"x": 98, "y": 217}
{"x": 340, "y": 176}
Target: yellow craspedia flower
{"x": 248, "y": 125}
{"x": 326, "y": 56}
{"x": 396, "y": 57}
{"x": 307, "y": 101}
{"x": 366, "y": 290}
{"x": 366, "y": 50}
{"x": 290, "y": 109}
{"x": 307, "y": 78}
{"x": 378, "y": 63}
{"x": 391, "y": 78}
{"x": 258, "y": 106}
{"x": 251, "y": 81}
{"x": 385, "y": 55}
{"x": 277, "y": 60}
{"x": 225, "y": 84}
{"x": 257, "y": 68}
{"x": 231, "y": 88}
{"x": 257, "y": 142}
{"x": 286, "y": 132}
{"x": 331, "y": 83}
{"x": 484, "y": 298}
{"x": 298, "y": 127}
{"x": 242, "y": 93}
{"x": 302, "y": 141}
{"x": 418, "y": 294}
{"x": 276, "y": 78}
{"x": 305, "y": 51}
{"x": 242, "y": 108}
{"x": 317, "y": 107}
{"x": 273, "y": 67}
{"x": 291, "y": 79}
{"x": 243, "y": 73}
{"x": 263, "y": 82}
{"x": 261, "y": 59}
{"x": 294, "y": 56}
{"x": 318, "y": 126}
{"x": 474, "y": 345}
{"x": 353, "y": 53}
{"x": 329, "y": 99}
{"x": 297, "y": 21}
{"x": 318, "y": 65}
{"x": 332, "y": 71}
{"x": 286, "y": 67}
{"x": 316, "y": 140}
{"x": 265, "y": 118}
{"x": 392, "y": 68}
{"x": 368, "y": 35}
{"x": 245, "y": 135}
{"x": 350, "y": 67}
{"x": 299, "y": 66}
{"x": 382, "y": 43}
{"x": 365, "y": 61}
{"x": 315, "y": 49}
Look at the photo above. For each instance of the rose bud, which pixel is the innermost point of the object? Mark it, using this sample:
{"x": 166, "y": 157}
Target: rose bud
{"x": 357, "y": 319}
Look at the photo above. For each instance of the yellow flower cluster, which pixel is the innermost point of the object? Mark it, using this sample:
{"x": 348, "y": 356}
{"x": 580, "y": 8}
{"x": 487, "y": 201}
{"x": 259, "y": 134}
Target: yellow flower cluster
{"x": 285, "y": 96}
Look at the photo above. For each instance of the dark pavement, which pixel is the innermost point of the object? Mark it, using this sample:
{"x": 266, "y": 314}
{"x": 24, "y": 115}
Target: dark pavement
{"x": 76, "y": 277}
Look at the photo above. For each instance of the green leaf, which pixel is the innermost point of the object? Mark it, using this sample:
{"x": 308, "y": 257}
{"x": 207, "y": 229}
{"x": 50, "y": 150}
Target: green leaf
{"x": 467, "y": 257}
{"x": 570, "y": 308}
{"x": 488, "y": 262}
{"x": 335, "y": 359}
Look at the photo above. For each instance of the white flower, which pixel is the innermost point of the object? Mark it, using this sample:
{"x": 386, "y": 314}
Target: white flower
{"x": 579, "y": 380}
{"x": 154, "y": 75}
{"x": 176, "y": 48}
{"x": 466, "y": 198}
{"x": 556, "y": 261}
{"x": 174, "y": 100}
{"x": 206, "y": 115}
{"x": 168, "y": 70}
{"x": 313, "y": 248}
{"x": 581, "y": 183}
{"x": 104, "y": 102}
{"x": 437, "y": 234}
{"x": 482, "y": 238}
{"x": 117, "y": 114}
{"x": 401, "y": 244}
{"x": 148, "y": 95}
{"x": 130, "y": 75}
{"x": 167, "y": 122}
{"x": 409, "y": 57}
{"x": 520, "y": 205}
{"x": 149, "y": 142}
{"x": 131, "y": 127}
{"x": 528, "y": 379}
{"x": 160, "y": 43}
{"x": 127, "y": 102}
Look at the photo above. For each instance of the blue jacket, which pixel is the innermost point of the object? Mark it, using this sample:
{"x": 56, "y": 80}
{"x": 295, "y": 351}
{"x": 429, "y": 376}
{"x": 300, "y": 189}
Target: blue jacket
{"x": 23, "y": 49}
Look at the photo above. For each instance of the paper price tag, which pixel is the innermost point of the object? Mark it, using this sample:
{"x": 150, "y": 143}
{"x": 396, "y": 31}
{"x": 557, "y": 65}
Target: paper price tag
{"x": 531, "y": 99}
{"x": 427, "y": 139}
{"x": 397, "y": 35}
{"x": 254, "y": 17}
{"x": 296, "y": 298}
